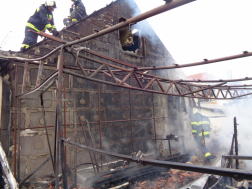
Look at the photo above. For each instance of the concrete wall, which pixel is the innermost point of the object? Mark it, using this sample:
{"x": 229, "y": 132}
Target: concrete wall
{"x": 114, "y": 101}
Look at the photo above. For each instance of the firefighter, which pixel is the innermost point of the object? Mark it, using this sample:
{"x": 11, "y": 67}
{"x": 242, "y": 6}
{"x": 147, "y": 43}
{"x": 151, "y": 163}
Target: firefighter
{"x": 41, "y": 20}
{"x": 77, "y": 12}
{"x": 199, "y": 122}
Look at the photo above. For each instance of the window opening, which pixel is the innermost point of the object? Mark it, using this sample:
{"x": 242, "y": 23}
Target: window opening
{"x": 130, "y": 39}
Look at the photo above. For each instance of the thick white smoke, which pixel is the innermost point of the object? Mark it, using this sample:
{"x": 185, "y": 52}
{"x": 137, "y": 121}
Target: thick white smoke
{"x": 241, "y": 109}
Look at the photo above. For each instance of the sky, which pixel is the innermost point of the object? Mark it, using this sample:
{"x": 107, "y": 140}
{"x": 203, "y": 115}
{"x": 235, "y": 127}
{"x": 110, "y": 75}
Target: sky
{"x": 204, "y": 29}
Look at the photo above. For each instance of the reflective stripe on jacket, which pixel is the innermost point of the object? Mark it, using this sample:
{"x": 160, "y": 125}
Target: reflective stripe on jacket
{"x": 200, "y": 122}
{"x": 32, "y": 26}
{"x": 41, "y": 20}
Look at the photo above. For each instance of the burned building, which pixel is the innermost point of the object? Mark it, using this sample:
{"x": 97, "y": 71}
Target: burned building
{"x": 101, "y": 96}
{"x": 121, "y": 120}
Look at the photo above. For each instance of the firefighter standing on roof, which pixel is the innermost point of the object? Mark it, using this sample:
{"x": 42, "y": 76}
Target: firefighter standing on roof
{"x": 77, "y": 11}
{"x": 199, "y": 122}
{"x": 40, "y": 21}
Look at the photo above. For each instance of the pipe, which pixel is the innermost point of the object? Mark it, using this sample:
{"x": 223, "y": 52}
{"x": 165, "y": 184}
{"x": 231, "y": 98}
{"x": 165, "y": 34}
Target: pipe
{"x": 101, "y": 62}
{"x": 99, "y": 108}
{"x": 111, "y": 59}
{"x": 204, "y": 88}
{"x": 56, "y": 152}
{"x": 86, "y": 50}
{"x": 65, "y": 114}
{"x": 184, "y": 82}
{"x": 37, "y": 59}
{"x": 235, "y": 173}
{"x": 75, "y": 148}
{"x": 47, "y": 135}
{"x": 92, "y": 144}
{"x": 236, "y": 143}
{"x": 59, "y": 117}
{"x": 40, "y": 86}
{"x": 164, "y": 79}
{"x": 131, "y": 124}
{"x": 89, "y": 51}
{"x": 140, "y": 89}
{"x": 47, "y": 35}
{"x": 198, "y": 63}
{"x": 154, "y": 118}
{"x": 169, "y": 143}
{"x": 137, "y": 19}
{"x": 87, "y": 145}
{"x": 217, "y": 80}
{"x": 15, "y": 122}
{"x": 18, "y": 139}
{"x": 237, "y": 157}
{"x": 232, "y": 151}
{"x": 241, "y": 96}
{"x": 161, "y": 79}
{"x": 148, "y": 14}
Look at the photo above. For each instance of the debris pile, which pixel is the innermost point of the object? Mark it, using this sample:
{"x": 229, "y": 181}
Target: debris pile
{"x": 172, "y": 179}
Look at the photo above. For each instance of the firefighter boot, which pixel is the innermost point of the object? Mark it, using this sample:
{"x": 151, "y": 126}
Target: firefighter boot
{"x": 210, "y": 158}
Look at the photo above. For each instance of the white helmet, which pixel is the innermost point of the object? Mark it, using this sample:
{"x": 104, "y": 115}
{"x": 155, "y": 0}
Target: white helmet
{"x": 50, "y": 3}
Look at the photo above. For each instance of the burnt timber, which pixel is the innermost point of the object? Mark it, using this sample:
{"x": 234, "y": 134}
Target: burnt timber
{"x": 111, "y": 107}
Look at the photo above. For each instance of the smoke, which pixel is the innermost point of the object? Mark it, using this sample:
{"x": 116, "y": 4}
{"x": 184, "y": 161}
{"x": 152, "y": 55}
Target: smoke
{"x": 241, "y": 110}
{"x": 144, "y": 27}
{"x": 223, "y": 127}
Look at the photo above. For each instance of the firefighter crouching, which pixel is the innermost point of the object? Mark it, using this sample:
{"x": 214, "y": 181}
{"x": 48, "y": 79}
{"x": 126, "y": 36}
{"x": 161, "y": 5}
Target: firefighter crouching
{"x": 41, "y": 20}
{"x": 198, "y": 123}
{"x": 77, "y": 12}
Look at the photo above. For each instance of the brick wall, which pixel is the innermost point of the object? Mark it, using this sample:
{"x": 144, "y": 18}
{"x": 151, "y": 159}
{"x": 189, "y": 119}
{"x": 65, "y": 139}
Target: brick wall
{"x": 114, "y": 101}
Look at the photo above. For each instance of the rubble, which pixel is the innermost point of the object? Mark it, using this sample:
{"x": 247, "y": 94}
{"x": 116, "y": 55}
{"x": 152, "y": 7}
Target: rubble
{"x": 106, "y": 105}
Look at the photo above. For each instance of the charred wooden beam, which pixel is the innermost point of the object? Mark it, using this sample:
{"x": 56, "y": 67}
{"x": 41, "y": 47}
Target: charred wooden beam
{"x": 132, "y": 173}
{"x": 234, "y": 173}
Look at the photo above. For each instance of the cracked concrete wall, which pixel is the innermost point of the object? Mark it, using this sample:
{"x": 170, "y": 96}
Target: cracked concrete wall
{"x": 114, "y": 101}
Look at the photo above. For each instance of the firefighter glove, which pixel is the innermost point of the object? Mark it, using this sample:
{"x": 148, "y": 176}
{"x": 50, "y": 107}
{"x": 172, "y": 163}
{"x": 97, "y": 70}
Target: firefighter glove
{"x": 55, "y": 32}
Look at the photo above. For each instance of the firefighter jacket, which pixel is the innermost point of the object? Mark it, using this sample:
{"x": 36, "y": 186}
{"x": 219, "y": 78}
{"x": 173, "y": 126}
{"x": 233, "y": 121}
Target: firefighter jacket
{"x": 42, "y": 20}
{"x": 79, "y": 9}
{"x": 199, "y": 122}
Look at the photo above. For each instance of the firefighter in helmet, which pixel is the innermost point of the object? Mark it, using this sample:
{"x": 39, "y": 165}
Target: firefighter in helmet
{"x": 200, "y": 122}
{"x": 77, "y": 12}
{"x": 41, "y": 20}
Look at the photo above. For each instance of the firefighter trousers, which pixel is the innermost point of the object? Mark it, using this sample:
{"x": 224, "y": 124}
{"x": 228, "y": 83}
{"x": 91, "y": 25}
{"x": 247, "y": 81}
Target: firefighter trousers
{"x": 77, "y": 15}
{"x": 30, "y": 38}
{"x": 199, "y": 142}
